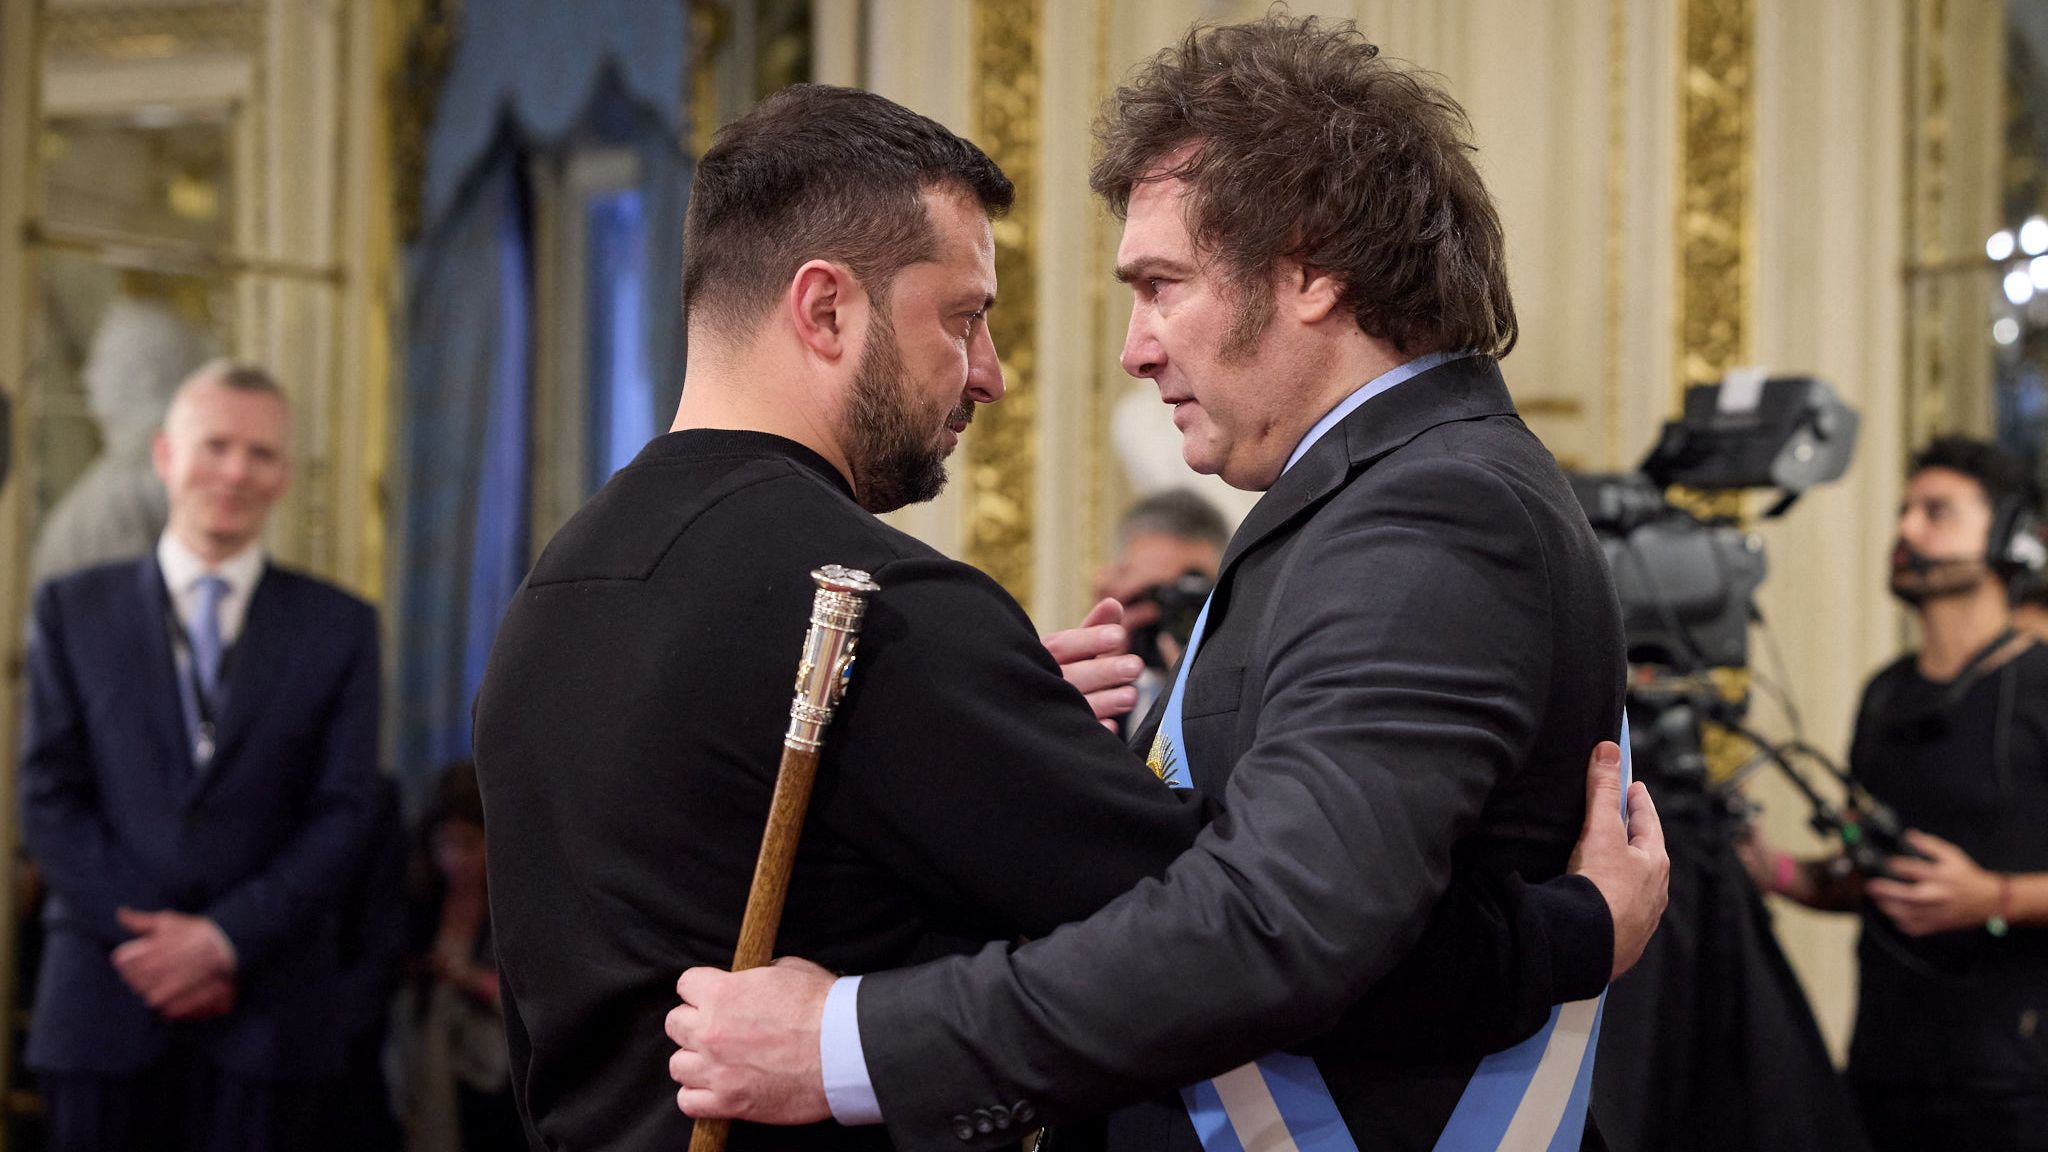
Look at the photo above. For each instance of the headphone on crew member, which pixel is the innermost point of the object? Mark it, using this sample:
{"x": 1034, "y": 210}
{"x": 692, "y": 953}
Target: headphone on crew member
{"x": 2014, "y": 549}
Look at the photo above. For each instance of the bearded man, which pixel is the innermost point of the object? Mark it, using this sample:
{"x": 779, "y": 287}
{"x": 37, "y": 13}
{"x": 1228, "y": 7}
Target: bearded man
{"x": 839, "y": 274}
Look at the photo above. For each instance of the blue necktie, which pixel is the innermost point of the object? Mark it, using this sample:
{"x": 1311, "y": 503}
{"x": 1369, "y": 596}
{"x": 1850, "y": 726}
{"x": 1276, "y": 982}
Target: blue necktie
{"x": 206, "y": 646}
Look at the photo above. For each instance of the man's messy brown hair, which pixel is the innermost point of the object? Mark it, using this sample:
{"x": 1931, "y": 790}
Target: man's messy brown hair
{"x": 1297, "y": 141}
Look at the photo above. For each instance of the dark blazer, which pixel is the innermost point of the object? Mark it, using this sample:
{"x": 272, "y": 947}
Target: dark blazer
{"x": 262, "y": 842}
{"x": 1412, "y": 648}
{"x": 627, "y": 735}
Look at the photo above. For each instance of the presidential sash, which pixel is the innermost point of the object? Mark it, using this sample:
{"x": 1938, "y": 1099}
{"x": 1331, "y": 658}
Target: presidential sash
{"x": 1528, "y": 1098}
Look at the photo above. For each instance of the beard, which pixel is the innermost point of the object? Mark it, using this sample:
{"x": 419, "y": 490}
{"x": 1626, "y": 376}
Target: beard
{"x": 1917, "y": 580}
{"x": 896, "y": 453}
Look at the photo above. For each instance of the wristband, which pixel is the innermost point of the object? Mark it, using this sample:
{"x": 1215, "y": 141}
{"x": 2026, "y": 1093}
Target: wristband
{"x": 1784, "y": 870}
{"x": 2000, "y": 920}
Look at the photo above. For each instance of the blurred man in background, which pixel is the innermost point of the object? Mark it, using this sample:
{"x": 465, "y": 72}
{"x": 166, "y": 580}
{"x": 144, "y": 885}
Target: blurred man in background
{"x": 1169, "y": 546}
{"x": 198, "y": 785}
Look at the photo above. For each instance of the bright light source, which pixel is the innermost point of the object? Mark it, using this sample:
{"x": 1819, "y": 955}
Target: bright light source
{"x": 2037, "y": 271}
{"x": 2034, "y": 236}
{"x": 2000, "y": 245}
{"x": 2006, "y": 330}
{"x": 2019, "y": 287}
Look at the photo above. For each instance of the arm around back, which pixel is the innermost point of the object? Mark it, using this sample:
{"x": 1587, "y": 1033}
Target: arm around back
{"x": 1381, "y": 733}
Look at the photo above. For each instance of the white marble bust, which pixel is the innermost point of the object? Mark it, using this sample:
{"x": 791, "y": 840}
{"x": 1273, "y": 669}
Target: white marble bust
{"x": 140, "y": 353}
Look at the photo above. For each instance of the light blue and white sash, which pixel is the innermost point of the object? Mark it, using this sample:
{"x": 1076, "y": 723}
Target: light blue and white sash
{"x": 1528, "y": 1098}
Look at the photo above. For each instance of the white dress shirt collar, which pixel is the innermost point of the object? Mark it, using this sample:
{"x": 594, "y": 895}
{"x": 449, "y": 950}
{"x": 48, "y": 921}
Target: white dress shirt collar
{"x": 1367, "y": 391}
{"x": 182, "y": 569}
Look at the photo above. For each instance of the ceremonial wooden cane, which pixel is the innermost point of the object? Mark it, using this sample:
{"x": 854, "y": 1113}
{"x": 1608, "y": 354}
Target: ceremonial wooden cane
{"x": 836, "y": 612}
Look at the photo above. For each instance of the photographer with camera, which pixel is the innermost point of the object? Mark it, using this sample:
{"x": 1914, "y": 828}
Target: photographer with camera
{"x": 1169, "y": 547}
{"x": 1951, "y": 1044}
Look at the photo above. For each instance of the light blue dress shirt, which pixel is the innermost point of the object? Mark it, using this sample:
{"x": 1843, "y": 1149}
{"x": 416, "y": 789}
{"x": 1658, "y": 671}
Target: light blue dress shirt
{"x": 848, "y": 1089}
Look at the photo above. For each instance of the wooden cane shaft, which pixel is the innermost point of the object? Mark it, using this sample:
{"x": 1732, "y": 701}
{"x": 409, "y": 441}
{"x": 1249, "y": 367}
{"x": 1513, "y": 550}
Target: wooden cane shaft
{"x": 778, "y": 858}
{"x": 709, "y": 1135}
{"x": 764, "y": 900}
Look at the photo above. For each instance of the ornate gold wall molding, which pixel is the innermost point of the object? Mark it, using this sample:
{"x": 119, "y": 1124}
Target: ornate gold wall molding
{"x": 1002, "y": 451}
{"x": 1717, "y": 107}
{"x": 1928, "y": 350}
{"x": 1102, "y": 384}
{"x": 419, "y": 64}
{"x": 151, "y": 31}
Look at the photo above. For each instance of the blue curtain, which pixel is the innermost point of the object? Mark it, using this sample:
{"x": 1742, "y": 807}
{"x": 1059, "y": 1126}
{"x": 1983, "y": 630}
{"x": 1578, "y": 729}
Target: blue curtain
{"x": 465, "y": 313}
{"x": 621, "y": 391}
{"x": 530, "y": 77}
{"x": 503, "y": 503}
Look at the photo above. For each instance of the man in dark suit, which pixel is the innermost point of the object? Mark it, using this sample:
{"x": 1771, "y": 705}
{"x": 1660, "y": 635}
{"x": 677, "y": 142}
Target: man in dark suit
{"x": 839, "y": 269}
{"x": 1412, "y": 642}
{"x": 197, "y": 783}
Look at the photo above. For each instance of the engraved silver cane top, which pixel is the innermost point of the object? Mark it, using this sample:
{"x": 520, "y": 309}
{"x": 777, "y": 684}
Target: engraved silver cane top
{"x": 836, "y": 611}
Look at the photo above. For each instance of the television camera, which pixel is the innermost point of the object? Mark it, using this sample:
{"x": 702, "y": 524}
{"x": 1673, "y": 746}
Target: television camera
{"x": 1687, "y": 583}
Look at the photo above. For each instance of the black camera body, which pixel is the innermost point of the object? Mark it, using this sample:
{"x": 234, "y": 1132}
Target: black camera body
{"x": 1687, "y": 583}
{"x": 1180, "y": 603}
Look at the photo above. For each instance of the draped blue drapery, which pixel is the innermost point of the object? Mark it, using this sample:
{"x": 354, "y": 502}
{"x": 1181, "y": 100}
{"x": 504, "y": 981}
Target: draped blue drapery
{"x": 530, "y": 78}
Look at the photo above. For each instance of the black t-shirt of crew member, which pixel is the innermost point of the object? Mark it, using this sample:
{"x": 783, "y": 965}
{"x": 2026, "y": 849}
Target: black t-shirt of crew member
{"x": 1965, "y": 1008}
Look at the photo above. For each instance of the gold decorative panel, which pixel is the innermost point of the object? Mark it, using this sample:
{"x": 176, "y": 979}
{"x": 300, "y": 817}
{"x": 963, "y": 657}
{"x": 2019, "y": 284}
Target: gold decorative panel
{"x": 1717, "y": 107}
{"x": 151, "y": 31}
{"x": 1930, "y": 350}
{"x": 1102, "y": 383}
{"x": 1002, "y": 451}
{"x": 412, "y": 80}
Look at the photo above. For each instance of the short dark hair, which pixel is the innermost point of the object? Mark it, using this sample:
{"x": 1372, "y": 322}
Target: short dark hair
{"x": 2001, "y": 474}
{"x": 817, "y": 172}
{"x": 1308, "y": 146}
{"x": 1178, "y": 513}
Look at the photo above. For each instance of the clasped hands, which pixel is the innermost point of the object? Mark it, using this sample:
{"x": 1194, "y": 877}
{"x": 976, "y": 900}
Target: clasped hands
{"x": 181, "y": 965}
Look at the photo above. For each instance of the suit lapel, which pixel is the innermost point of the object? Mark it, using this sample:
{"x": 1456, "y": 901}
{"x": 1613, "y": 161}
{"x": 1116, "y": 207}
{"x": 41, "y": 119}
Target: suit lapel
{"x": 1463, "y": 389}
{"x": 257, "y": 664}
{"x": 159, "y": 666}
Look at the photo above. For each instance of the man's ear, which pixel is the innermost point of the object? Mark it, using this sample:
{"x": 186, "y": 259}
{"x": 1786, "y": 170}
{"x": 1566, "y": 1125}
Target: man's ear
{"x": 1310, "y": 293}
{"x": 823, "y": 302}
{"x": 160, "y": 455}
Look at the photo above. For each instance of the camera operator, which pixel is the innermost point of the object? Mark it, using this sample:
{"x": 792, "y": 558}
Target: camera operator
{"x": 1169, "y": 547}
{"x": 1951, "y": 1041}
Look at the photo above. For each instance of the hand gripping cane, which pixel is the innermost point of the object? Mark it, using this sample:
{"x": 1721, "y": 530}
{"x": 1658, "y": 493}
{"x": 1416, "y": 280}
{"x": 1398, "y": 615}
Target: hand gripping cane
{"x": 836, "y": 613}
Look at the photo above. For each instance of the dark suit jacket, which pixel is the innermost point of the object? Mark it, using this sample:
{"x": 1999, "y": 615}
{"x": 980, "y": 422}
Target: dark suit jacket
{"x": 262, "y": 842}
{"x": 1412, "y": 647}
{"x": 627, "y": 735}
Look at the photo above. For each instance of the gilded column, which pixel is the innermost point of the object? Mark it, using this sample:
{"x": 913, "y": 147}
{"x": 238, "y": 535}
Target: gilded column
{"x": 1002, "y": 450}
{"x": 1102, "y": 382}
{"x": 1717, "y": 106}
